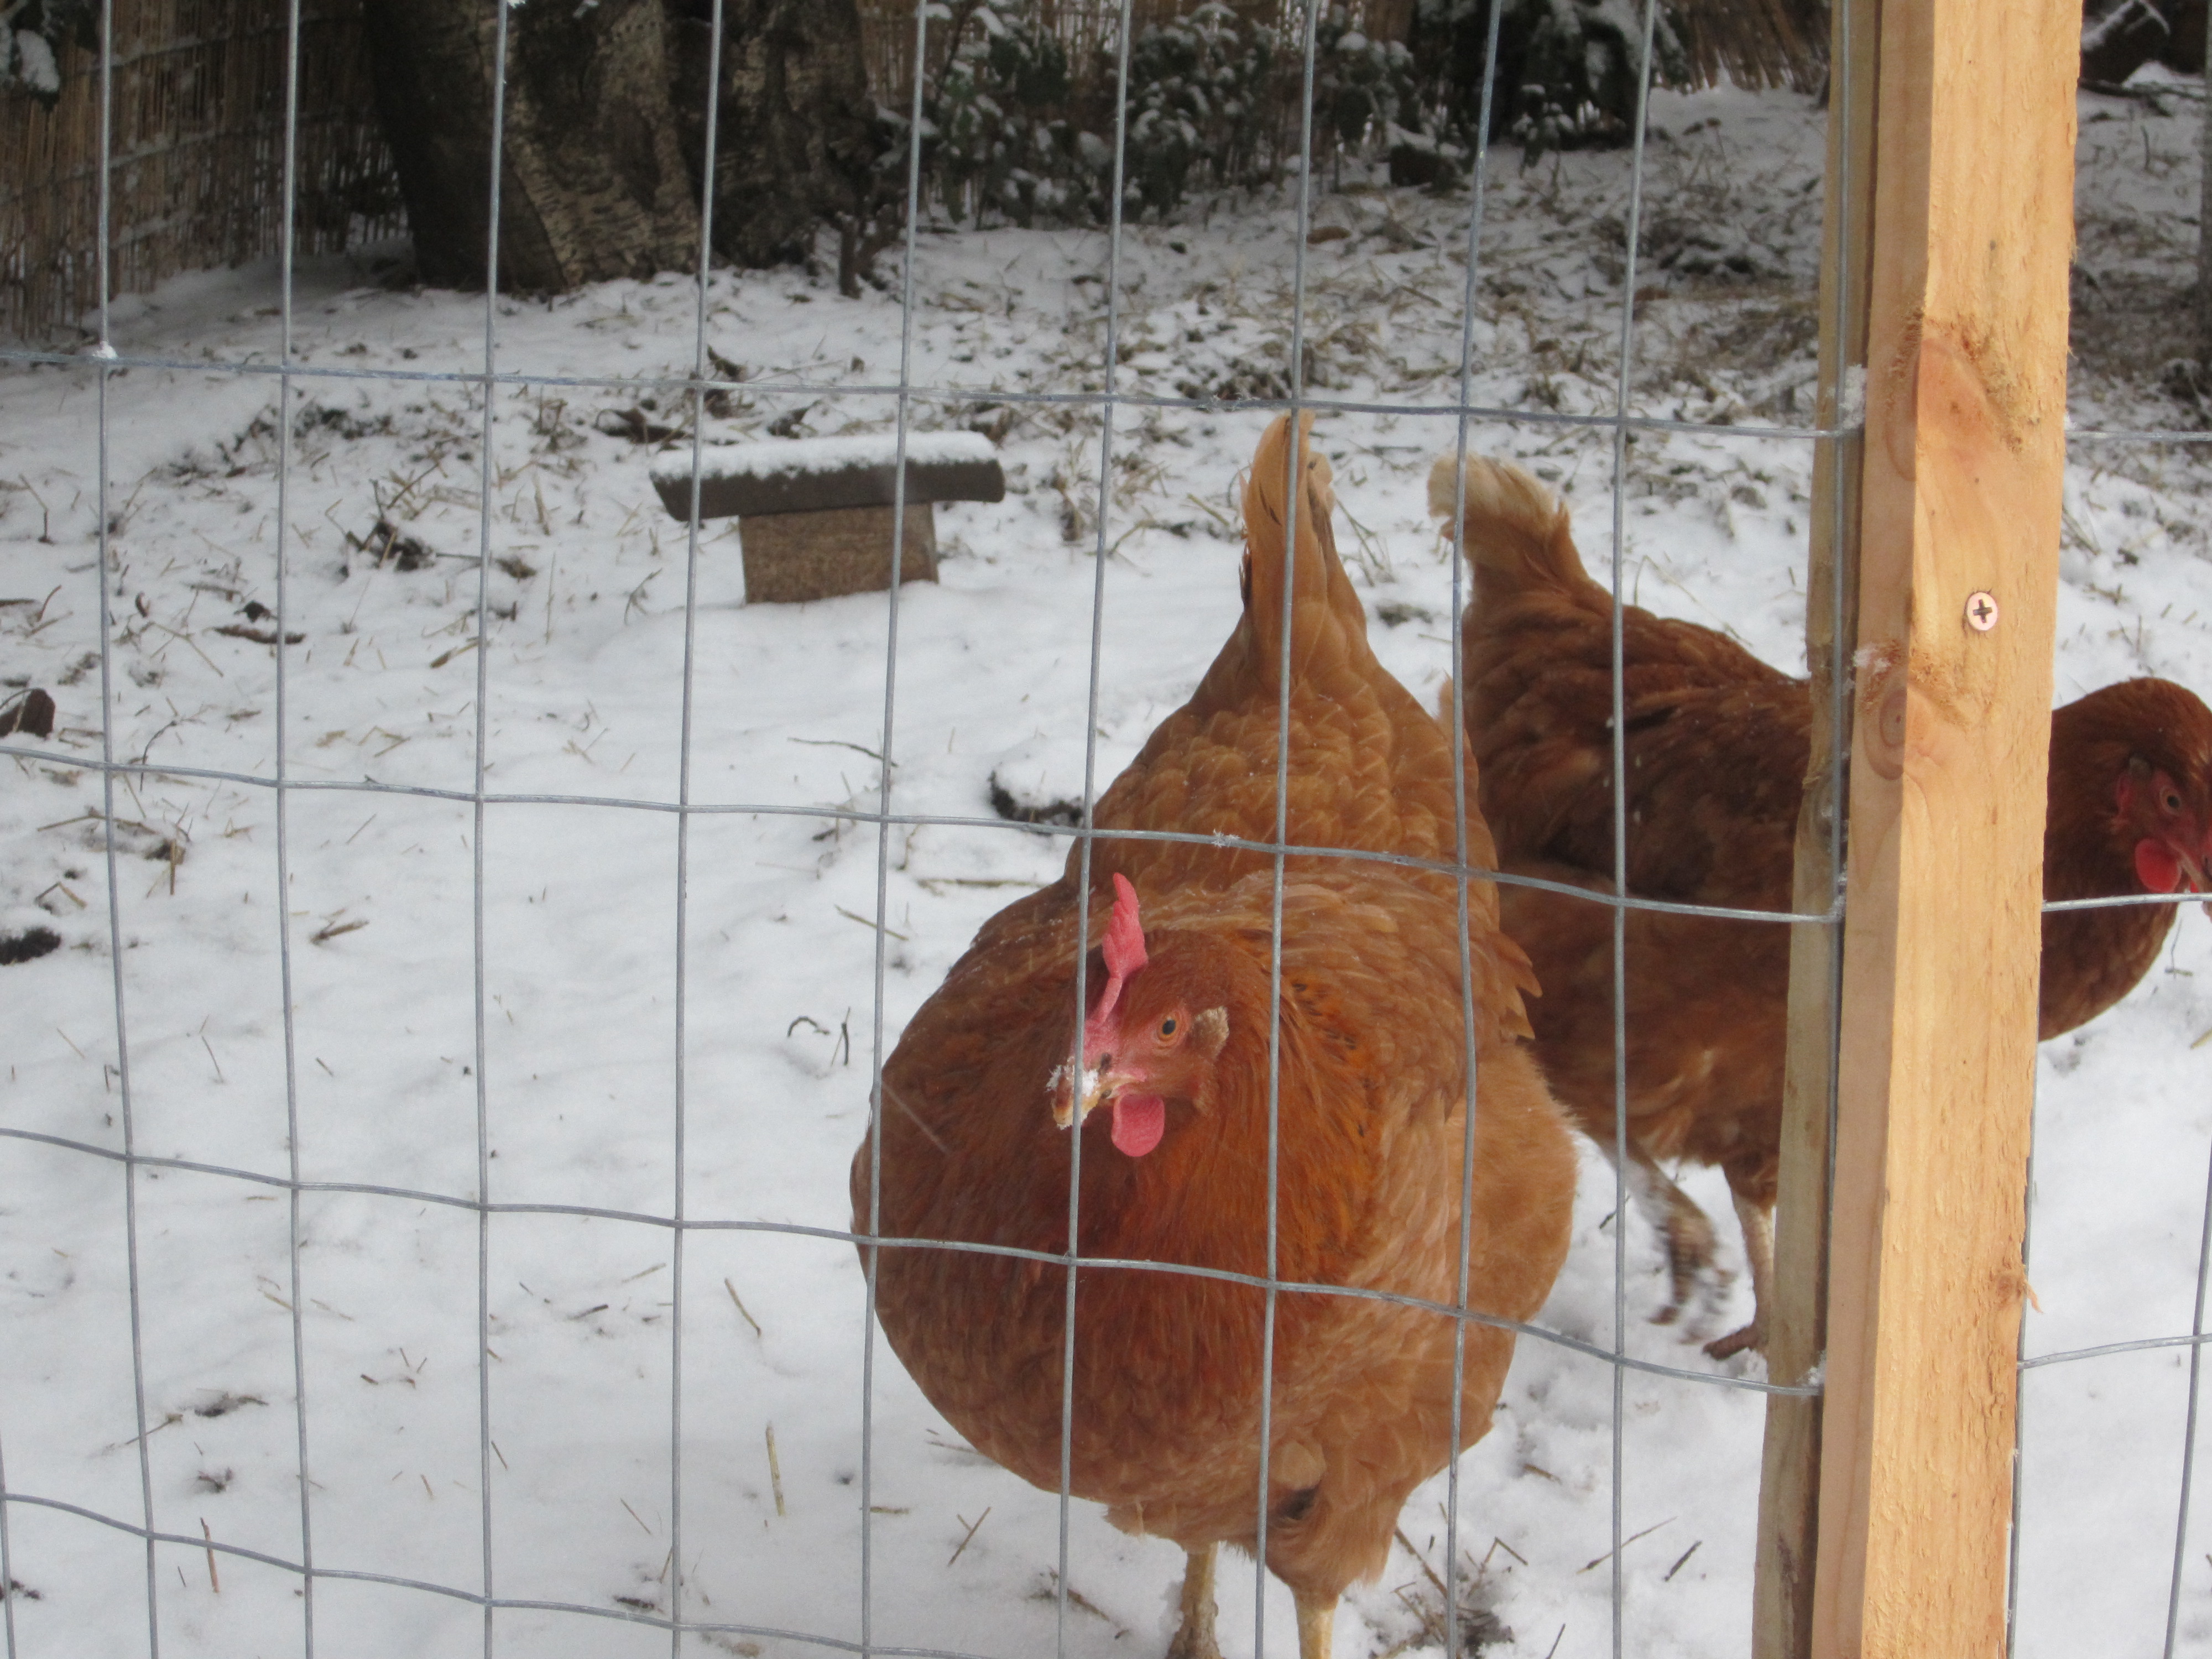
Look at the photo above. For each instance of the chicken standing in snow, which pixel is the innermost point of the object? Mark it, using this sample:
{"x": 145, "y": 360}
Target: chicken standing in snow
{"x": 1171, "y": 1108}
{"x": 1718, "y": 745}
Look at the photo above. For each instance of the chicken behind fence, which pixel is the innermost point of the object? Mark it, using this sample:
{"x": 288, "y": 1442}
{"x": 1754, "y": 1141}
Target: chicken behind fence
{"x": 1169, "y": 1100}
{"x": 1717, "y": 745}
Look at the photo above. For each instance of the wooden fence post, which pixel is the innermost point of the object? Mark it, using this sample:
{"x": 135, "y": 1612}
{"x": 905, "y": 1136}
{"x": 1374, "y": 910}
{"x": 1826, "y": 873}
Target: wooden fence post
{"x": 1797, "y": 1327}
{"x": 1960, "y": 511}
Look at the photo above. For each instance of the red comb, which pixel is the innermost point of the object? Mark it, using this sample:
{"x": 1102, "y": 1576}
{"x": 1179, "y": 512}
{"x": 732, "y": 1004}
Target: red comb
{"x": 1124, "y": 950}
{"x": 1125, "y": 935}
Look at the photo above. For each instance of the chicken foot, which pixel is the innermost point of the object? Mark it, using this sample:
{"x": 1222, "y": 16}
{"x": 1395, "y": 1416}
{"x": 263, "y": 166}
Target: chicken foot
{"x": 1758, "y": 1223}
{"x": 1193, "y": 1637}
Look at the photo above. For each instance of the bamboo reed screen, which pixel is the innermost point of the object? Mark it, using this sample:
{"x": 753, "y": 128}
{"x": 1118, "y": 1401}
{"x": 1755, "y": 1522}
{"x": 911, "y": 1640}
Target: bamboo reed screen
{"x": 198, "y": 155}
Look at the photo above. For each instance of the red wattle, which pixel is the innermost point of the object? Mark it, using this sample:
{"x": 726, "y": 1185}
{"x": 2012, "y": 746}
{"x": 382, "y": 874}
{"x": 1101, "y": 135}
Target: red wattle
{"x": 2157, "y": 866}
{"x": 1140, "y": 1121}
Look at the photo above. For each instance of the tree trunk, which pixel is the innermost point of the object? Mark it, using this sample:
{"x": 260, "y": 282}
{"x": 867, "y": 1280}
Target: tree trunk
{"x": 794, "y": 146}
{"x": 2118, "y": 36}
{"x": 2184, "y": 49}
{"x": 2204, "y": 241}
{"x": 592, "y": 183}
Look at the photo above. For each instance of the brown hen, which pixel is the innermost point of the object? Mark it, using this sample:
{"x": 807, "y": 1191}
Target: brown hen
{"x": 1717, "y": 743}
{"x": 1170, "y": 1090}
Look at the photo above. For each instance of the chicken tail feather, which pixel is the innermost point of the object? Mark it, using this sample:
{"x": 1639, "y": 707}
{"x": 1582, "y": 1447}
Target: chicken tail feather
{"x": 1516, "y": 532}
{"x": 1319, "y": 585}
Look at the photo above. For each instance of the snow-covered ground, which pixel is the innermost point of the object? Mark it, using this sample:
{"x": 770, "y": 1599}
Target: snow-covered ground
{"x": 729, "y": 1081}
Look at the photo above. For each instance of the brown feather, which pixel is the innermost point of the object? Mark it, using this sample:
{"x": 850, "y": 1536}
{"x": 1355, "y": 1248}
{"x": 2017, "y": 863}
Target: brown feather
{"x": 1717, "y": 747}
{"x": 1369, "y": 1130}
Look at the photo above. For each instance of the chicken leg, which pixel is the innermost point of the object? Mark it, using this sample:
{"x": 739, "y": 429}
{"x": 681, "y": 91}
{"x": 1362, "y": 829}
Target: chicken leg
{"x": 1316, "y": 1626}
{"x": 1193, "y": 1637}
{"x": 1757, "y": 1220}
{"x": 1678, "y": 1220}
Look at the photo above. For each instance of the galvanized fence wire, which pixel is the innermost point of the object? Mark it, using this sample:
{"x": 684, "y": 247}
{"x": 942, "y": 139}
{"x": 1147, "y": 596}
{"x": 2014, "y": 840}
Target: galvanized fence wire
{"x": 502, "y": 31}
{"x": 1460, "y": 751}
{"x": 294, "y": 1229}
{"x": 2193, "y": 1342}
{"x": 7, "y": 1561}
{"x": 1622, "y": 423}
{"x": 1065, "y": 1516}
{"x": 881, "y": 961}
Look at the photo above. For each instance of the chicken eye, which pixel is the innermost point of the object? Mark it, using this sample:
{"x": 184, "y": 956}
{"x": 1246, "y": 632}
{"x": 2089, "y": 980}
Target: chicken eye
{"x": 1168, "y": 1026}
{"x": 2173, "y": 801}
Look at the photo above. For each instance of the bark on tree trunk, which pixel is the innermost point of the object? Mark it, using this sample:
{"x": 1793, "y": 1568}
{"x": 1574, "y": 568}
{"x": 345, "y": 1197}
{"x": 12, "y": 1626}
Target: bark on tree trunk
{"x": 2118, "y": 36}
{"x": 794, "y": 148}
{"x": 592, "y": 183}
{"x": 2204, "y": 241}
{"x": 2186, "y": 49}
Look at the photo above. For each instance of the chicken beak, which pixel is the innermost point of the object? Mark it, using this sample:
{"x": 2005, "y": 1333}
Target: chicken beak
{"x": 1071, "y": 1104}
{"x": 2193, "y": 872}
{"x": 2193, "y": 875}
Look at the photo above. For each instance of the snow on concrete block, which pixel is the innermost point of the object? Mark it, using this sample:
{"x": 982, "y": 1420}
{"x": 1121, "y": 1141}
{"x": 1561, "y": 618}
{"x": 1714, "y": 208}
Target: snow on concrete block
{"x": 813, "y": 475}
{"x": 816, "y": 514}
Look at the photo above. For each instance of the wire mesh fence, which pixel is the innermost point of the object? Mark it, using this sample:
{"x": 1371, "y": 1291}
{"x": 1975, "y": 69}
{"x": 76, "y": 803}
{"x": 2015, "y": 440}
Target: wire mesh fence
{"x": 191, "y": 174}
{"x": 591, "y": 891}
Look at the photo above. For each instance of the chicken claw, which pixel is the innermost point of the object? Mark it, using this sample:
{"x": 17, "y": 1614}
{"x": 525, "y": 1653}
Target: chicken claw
{"x": 1749, "y": 1338}
{"x": 1193, "y": 1637}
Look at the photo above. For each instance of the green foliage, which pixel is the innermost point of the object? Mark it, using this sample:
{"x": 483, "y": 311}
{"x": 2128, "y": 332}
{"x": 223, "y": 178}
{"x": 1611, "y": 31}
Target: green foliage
{"x": 1361, "y": 87}
{"x": 1216, "y": 103}
{"x": 1203, "y": 103}
{"x": 995, "y": 141}
{"x": 1568, "y": 71}
{"x": 1583, "y": 70}
{"x": 1013, "y": 131}
{"x": 1450, "y": 43}
{"x": 1006, "y": 132}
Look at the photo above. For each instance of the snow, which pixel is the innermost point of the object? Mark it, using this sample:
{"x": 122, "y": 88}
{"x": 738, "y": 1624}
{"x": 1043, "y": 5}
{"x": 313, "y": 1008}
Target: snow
{"x": 34, "y": 64}
{"x": 802, "y": 456}
{"x": 569, "y": 1000}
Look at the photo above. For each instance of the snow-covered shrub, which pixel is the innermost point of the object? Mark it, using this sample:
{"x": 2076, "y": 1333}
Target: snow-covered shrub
{"x": 1367, "y": 96}
{"x": 1361, "y": 87}
{"x": 1567, "y": 75}
{"x": 1215, "y": 100}
{"x": 996, "y": 140}
{"x": 1201, "y": 96}
{"x": 1583, "y": 70}
{"x": 32, "y": 35}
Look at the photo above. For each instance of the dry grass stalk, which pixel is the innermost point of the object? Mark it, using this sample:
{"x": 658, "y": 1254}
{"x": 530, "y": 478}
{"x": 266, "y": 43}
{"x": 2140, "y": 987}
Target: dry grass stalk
{"x": 742, "y": 1314}
{"x": 968, "y": 1536}
{"x": 1624, "y": 1544}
